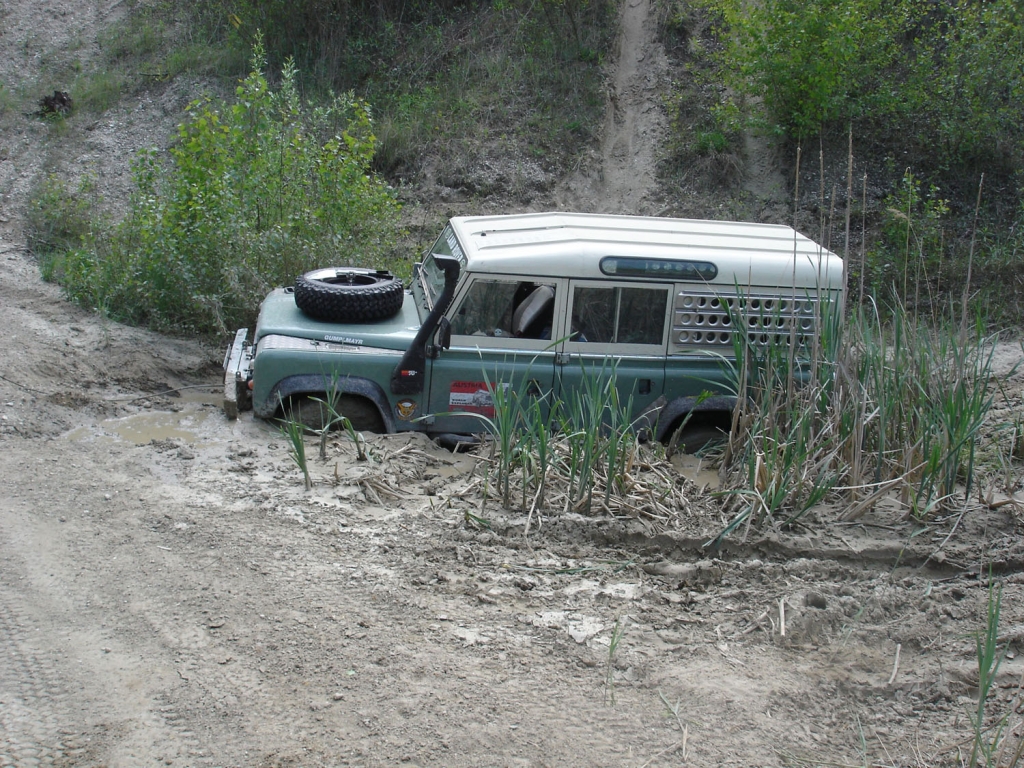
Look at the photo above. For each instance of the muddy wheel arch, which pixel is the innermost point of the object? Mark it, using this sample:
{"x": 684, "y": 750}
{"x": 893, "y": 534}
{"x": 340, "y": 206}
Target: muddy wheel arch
{"x": 313, "y": 412}
{"x": 707, "y": 417}
{"x": 365, "y": 398}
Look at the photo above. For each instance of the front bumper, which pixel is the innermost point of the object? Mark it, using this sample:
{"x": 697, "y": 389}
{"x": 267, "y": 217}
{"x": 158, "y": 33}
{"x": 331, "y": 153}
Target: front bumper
{"x": 237, "y": 371}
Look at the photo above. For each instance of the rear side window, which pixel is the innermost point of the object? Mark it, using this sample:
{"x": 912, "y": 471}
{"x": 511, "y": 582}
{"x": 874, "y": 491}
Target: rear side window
{"x": 619, "y": 315}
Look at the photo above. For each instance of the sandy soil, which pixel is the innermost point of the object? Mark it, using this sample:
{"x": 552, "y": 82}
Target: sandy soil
{"x": 170, "y": 595}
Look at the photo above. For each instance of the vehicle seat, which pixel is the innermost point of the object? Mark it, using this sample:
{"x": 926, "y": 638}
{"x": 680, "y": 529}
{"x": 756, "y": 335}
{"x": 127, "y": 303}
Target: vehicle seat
{"x": 534, "y": 313}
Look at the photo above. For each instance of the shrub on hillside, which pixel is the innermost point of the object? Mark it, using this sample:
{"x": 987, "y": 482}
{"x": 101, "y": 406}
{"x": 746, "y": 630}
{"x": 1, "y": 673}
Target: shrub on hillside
{"x": 253, "y": 194}
{"x": 811, "y": 63}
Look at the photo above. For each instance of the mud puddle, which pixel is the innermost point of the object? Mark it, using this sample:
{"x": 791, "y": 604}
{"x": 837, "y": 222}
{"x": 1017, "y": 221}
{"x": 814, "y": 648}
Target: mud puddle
{"x": 696, "y": 469}
{"x": 195, "y": 424}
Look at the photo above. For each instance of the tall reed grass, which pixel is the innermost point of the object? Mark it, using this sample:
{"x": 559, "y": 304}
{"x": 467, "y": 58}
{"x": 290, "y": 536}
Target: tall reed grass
{"x": 878, "y": 403}
{"x": 997, "y": 743}
{"x": 588, "y": 442}
{"x": 874, "y": 404}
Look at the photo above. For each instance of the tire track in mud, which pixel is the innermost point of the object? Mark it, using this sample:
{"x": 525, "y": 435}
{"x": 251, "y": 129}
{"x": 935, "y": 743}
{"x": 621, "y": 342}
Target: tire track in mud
{"x": 70, "y": 654}
{"x": 633, "y": 118}
{"x": 347, "y": 661}
{"x": 460, "y": 668}
{"x": 38, "y": 691}
{"x": 477, "y": 647}
{"x": 31, "y": 688}
{"x": 269, "y": 626}
{"x": 409, "y": 575}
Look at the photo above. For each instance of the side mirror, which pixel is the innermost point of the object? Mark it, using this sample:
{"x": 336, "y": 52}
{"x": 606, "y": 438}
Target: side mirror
{"x": 444, "y": 333}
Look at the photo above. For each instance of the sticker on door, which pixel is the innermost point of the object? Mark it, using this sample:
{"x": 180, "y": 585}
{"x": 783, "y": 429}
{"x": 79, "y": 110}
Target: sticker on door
{"x": 472, "y": 397}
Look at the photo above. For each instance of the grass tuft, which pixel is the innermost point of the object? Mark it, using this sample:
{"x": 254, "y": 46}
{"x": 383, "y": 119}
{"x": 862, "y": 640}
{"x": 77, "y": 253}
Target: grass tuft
{"x": 295, "y": 432}
{"x": 995, "y": 745}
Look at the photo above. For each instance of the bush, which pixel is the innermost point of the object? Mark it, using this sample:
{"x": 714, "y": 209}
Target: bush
{"x": 962, "y": 82}
{"x": 946, "y": 80}
{"x": 60, "y": 219}
{"x": 253, "y": 194}
{"x": 811, "y": 62}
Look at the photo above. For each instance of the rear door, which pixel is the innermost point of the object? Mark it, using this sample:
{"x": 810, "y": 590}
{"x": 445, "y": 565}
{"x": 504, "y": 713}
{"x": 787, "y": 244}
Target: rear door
{"x": 618, "y": 329}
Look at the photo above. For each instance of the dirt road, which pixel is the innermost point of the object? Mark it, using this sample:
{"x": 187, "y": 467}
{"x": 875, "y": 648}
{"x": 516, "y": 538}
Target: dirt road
{"x": 170, "y": 594}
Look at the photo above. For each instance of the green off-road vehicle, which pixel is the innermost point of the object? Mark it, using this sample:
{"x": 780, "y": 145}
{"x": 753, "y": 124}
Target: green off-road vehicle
{"x": 535, "y": 304}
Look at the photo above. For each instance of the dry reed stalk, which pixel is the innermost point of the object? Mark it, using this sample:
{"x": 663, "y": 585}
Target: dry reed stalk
{"x": 863, "y": 239}
{"x": 895, "y": 664}
{"x": 849, "y": 196}
{"x": 970, "y": 260}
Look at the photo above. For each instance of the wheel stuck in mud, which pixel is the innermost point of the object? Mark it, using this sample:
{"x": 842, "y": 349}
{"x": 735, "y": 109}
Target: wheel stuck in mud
{"x": 348, "y": 294}
{"x": 316, "y": 415}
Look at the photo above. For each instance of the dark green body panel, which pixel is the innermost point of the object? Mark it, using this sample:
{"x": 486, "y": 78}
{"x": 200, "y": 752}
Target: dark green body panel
{"x": 279, "y": 316}
{"x": 297, "y": 355}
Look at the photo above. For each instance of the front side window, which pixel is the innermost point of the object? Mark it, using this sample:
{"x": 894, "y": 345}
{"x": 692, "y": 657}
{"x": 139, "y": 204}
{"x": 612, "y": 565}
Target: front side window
{"x": 431, "y": 280}
{"x": 619, "y": 315}
{"x": 513, "y": 308}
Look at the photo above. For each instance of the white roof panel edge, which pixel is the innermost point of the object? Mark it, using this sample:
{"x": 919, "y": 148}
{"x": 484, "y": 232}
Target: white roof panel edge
{"x": 573, "y": 244}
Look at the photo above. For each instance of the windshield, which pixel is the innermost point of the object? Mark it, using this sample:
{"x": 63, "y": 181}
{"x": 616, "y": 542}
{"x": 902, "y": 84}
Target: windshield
{"x": 432, "y": 276}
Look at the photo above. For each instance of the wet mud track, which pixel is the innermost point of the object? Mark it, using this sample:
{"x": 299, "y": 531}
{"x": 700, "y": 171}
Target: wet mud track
{"x": 171, "y": 595}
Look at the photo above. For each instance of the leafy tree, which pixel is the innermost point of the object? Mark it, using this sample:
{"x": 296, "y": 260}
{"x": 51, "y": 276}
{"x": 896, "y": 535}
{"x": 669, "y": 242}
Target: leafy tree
{"x": 943, "y": 78}
{"x": 811, "y": 62}
{"x": 962, "y": 80}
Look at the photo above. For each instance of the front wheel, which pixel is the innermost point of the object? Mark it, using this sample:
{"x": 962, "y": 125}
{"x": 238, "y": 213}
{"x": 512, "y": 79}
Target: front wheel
{"x": 313, "y": 413}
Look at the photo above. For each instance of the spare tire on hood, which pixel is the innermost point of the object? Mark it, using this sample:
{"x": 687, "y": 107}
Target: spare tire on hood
{"x": 348, "y": 294}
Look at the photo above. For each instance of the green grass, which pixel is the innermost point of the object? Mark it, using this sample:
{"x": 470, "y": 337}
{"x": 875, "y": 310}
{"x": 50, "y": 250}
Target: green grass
{"x": 618, "y": 631}
{"x": 994, "y": 743}
{"x": 148, "y": 45}
{"x": 444, "y": 84}
{"x": 294, "y": 432}
{"x": 583, "y": 448}
{"x": 7, "y": 100}
{"x": 139, "y": 35}
{"x": 98, "y": 91}
{"x": 336, "y": 419}
{"x": 61, "y": 219}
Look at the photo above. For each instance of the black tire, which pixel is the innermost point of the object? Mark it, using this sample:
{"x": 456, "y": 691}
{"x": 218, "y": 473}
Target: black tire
{"x": 362, "y": 413}
{"x": 312, "y": 412}
{"x": 692, "y": 439}
{"x": 348, "y": 294}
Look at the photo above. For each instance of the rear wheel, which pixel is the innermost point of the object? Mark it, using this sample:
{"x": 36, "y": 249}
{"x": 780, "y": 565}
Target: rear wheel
{"x": 697, "y": 438}
{"x": 697, "y": 431}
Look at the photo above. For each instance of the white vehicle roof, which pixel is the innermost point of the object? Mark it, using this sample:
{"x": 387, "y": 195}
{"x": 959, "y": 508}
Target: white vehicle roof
{"x": 573, "y": 245}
